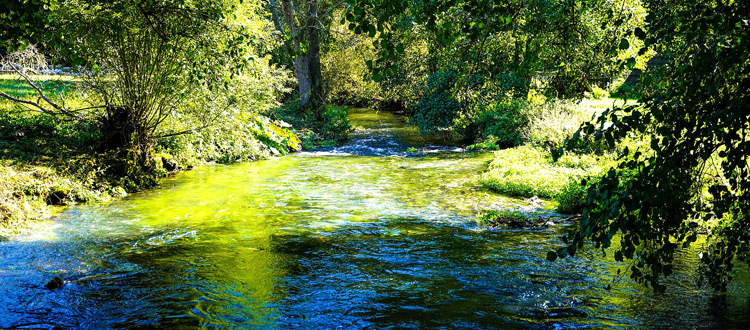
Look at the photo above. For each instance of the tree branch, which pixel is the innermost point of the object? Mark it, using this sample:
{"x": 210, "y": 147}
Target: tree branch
{"x": 332, "y": 8}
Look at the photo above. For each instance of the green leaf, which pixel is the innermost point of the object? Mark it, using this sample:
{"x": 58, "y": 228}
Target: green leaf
{"x": 551, "y": 256}
{"x": 624, "y": 44}
{"x": 640, "y": 34}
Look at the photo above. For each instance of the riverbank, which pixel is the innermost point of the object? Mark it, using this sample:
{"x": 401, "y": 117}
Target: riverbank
{"x": 529, "y": 170}
{"x": 46, "y": 162}
{"x": 39, "y": 172}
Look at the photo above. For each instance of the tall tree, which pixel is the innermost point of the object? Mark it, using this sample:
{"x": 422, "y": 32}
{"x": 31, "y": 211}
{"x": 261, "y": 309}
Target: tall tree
{"x": 301, "y": 31}
{"x": 138, "y": 59}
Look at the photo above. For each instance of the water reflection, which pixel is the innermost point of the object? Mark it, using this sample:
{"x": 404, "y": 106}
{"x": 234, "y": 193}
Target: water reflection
{"x": 330, "y": 240}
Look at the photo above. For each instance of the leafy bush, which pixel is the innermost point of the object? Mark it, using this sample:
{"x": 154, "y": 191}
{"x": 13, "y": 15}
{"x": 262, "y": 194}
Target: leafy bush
{"x": 344, "y": 69}
{"x": 620, "y": 88}
{"x": 437, "y": 107}
{"x": 512, "y": 219}
{"x": 505, "y": 122}
{"x": 554, "y": 121}
{"x": 596, "y": 93}
{"x": 488, "y": 143}
{"x": 335, "y": 125}
{"x": 573, "y": 196}
{"x": 504, "y": 217}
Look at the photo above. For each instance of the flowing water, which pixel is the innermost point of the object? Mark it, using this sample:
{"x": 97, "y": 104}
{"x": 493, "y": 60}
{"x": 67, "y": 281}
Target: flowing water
{"x": 379, "y": 233}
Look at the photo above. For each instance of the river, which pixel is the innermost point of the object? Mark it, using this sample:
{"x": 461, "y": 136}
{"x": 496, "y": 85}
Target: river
{"x": 380, "y": 233}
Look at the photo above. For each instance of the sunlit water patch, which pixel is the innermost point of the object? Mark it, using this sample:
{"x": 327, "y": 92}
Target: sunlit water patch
{"x": 332, "y": 239}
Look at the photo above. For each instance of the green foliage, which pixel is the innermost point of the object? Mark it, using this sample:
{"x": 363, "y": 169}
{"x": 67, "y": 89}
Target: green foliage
{"x": 136, "y": 61}
{"x": 572, "y": 198}
{"x": 332, "y": 128}
{"x": 696, "y": 172}
{"x": 335, "y": 124}
{"x": 596, "y": 93}
{"x": 227, "y": 123}
{"x": 504, "y": 122}
{"x": 346, "y": 77}
{"x": 490, "y": 142}
{"x": 625, "y": 90}
{"x": 21, "y": 22}
{"x": 512, "y": 219}
{"x": 437, "y": 108}
{"x": 552, "y": 122}
{"x": 504, "y": 217}
{"x": 572, "y": 41}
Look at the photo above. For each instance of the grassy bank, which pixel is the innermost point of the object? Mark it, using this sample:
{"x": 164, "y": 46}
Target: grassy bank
{"x": 527, "y": 169}
{"x": 47, "y": 161}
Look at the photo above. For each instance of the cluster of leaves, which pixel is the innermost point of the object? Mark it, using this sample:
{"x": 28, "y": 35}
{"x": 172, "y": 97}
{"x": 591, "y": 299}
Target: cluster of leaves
{"x": 346, "y": 78}
{"x": 437, "y": 107}
{"x": 696, "y": 169}
{"x": 509, "y": 41}
{"x": 504, "y": 123}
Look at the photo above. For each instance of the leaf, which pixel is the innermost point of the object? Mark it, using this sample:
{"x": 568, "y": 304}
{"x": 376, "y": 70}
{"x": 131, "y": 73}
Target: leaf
{"x": 640, "y": 34}
{"x": 624, "y": 44}
{"x": 551, "y": 256}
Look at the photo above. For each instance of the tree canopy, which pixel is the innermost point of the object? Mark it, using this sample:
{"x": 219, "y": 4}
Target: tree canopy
{"x": 695, "y": 173}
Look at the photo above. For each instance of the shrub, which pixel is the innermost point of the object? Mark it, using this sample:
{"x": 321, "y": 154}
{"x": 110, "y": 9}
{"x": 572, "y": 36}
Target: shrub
{"x": 488, "y": 143}
{"x": 572, "y": 197}
{"x": 335, "y": 125}
{"x": 504, "y": 217}
{"x": 554, "y": 121}
{"x": 505, "y": 121}
{"x": 437, "y": 107}
{"x": 596, "y": 93}
{"x": 344, "y": 70}
{"x": 512, "y": 219}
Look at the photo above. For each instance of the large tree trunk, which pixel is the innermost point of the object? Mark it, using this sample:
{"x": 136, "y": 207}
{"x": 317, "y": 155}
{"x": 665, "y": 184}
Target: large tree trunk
{"x": 307, "y": 59}
{"x": 314, "y": 95}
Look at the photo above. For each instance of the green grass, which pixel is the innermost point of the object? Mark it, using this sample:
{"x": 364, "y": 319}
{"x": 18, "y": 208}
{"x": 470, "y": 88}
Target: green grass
{"x": 528, "y": 171}
{"x": 52, "y": 85}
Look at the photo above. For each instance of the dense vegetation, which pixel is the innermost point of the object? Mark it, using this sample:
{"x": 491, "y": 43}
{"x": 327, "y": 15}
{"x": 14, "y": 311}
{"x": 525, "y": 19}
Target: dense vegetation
{"x": 162, "y": 84}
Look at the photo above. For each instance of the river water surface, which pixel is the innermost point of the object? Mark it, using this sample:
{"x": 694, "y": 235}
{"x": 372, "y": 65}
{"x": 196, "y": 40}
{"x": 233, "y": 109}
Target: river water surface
{"x": 379, "y": 233}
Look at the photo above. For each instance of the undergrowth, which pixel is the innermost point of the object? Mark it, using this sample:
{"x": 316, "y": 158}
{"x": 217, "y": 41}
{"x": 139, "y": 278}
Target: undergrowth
{"x": 528, "y": 171}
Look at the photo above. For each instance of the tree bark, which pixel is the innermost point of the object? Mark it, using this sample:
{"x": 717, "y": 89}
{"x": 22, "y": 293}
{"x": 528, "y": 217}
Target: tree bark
{"x": 305, "y": 37}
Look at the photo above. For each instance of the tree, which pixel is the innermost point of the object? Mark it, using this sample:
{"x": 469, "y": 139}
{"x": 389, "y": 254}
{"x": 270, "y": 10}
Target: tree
{"x": 499, "y": 49}
{"x": 301, "y": 31}
{"x": 694, "y": 176}
{"x": 21, "y": 22}
{"x": 138, "y": 59}
{"x": 510, "y": 41}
